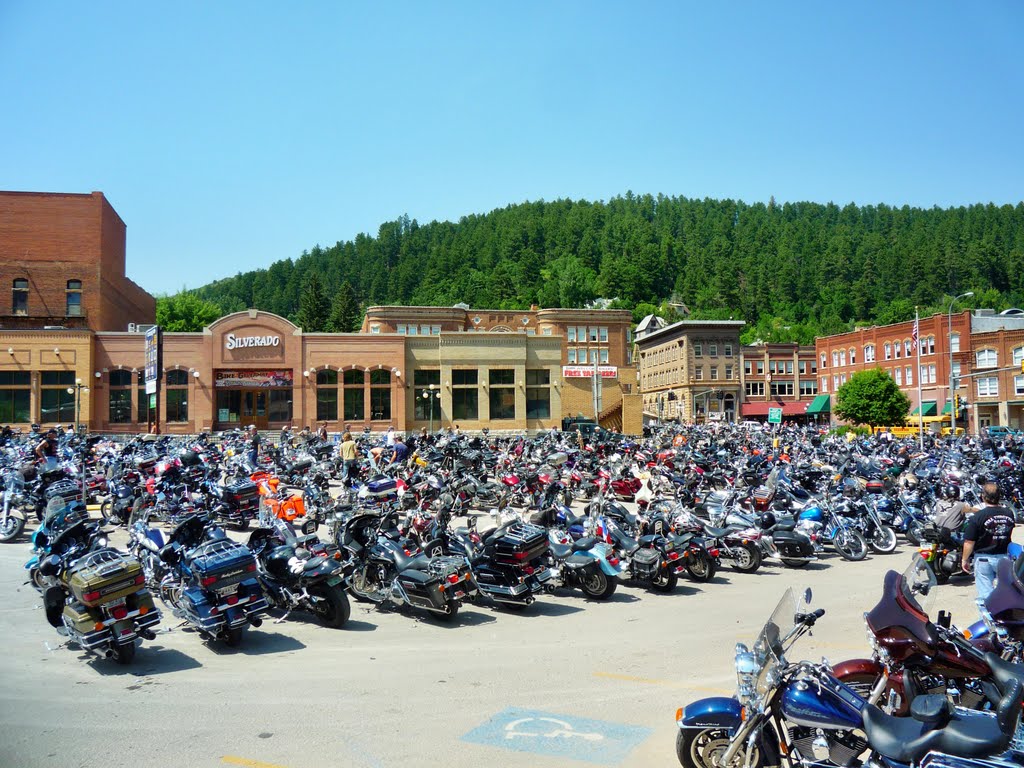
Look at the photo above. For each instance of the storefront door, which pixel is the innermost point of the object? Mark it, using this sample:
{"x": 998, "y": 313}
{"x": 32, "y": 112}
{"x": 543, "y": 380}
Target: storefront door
{"x": 254, "y": 408}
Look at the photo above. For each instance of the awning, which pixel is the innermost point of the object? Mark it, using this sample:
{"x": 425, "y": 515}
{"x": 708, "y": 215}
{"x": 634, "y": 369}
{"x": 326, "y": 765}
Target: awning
{"x": 947, "y": 408}
{"x": 760, "y": 408}
{"x": 820, "y": 404}
{"x": 927, "y": 408}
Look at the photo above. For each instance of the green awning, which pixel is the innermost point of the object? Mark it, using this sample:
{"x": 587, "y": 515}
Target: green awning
{"x": 820, "y": 404}
{"x": 930, "y": 408}
{"x": 947, "y": 408}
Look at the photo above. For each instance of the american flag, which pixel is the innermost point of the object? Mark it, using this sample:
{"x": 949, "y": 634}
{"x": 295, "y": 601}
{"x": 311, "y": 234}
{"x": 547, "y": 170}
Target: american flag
{"x": 913, "y": 336}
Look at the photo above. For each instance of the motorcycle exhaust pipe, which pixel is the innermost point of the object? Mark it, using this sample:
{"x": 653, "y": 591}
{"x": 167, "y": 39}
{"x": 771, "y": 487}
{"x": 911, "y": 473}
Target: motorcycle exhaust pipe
{"x": 146, "y": 634}
{"x": 255, "y": 621}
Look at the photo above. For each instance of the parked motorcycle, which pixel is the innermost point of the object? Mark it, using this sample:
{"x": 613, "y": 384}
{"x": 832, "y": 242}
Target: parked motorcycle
{"x": 12, "y": 519}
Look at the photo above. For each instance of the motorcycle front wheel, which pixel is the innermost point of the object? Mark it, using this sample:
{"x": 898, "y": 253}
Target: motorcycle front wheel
{"x": 704, "y": 749}
{"x": 11, "y": 527}
{"x": 850, "y": 544}
{"x": 746, "y": 558}
{"x": 883, "y": 540}
{"x": 913, "y": 533}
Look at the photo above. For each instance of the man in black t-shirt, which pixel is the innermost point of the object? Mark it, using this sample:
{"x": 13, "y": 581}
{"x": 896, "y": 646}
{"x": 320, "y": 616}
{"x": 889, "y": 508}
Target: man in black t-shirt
{"x": 987, "y": 536}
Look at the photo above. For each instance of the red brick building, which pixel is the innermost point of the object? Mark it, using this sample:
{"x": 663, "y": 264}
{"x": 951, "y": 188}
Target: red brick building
{"x": 779, "y": 376}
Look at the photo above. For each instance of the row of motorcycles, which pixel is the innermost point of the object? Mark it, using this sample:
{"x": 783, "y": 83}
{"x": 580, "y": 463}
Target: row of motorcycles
{"x": 930, "y": 694}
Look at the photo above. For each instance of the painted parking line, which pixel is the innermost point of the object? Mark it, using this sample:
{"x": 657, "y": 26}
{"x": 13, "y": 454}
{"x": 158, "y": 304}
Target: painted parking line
{"x": 547, "y": 733}
{"x": 244, "y": 761}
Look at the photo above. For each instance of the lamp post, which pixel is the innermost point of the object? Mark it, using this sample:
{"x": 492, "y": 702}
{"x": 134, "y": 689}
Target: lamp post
{"x": 430, "y": 396}
{"x": 953, "y": 379}
{"x": 76, "y": 390}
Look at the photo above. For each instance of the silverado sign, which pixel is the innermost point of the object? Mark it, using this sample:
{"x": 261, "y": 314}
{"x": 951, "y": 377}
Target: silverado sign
{"x": 239, "y": 342}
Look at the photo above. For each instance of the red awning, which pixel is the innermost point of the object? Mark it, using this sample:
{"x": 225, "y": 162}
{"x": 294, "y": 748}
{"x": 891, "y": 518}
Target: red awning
{"x": 761, "y": 408}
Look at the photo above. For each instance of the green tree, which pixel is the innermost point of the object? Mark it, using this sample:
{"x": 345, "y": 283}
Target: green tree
{"x": 872, "y": 397}
{"x": 314, "y": 308}
{"x": 185, "y": 312}
{"x": 346, "y": 314}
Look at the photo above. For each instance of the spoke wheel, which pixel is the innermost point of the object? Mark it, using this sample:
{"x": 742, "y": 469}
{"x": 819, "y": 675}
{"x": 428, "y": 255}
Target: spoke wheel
{"x": 704, "y": 749}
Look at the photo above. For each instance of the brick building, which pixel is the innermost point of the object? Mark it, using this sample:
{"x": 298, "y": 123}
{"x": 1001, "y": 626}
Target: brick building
{"x": 779, "y": 376}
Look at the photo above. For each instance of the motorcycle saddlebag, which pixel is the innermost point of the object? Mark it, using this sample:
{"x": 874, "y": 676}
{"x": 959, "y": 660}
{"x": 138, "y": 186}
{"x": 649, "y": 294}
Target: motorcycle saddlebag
{"x": 875, "y": 486}
{"x": 381, "y": 486}
{"x": 105, "y": 575}
{"x": 300, "y": 466}
{"x": 221, "y": 564}
{"x": 520, "y": 544}
{"x": 645, "y": 562}
{"x": 763, "y": 499}
{"x": 244, "y": 493}
{"x": 66, "y": 490}
{"x": 790, "y": 544}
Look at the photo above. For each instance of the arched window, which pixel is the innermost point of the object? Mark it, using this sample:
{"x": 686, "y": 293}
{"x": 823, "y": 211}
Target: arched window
{"x": 19, "y": 297}
{"x": 120, "y": 396}
{"x": 380, "y": 395}
{"x": 327, "y": 395}
{"x": 869, "y": 353}
{"x": 177, "y": 396}
{"x": 354, "y": 396}
{"x": 1018, "y": 355}
{"x": 74, "y": 299}
{"x": 986, "y": 358}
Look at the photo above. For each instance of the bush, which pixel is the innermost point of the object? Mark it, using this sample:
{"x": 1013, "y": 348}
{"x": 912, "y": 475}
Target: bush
{"x": 843, "y": 429}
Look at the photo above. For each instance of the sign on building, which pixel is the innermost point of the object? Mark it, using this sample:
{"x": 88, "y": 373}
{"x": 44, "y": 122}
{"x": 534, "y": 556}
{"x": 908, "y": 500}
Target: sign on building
{"x": 152, "y": 359}
{"x": 587, "y": 371}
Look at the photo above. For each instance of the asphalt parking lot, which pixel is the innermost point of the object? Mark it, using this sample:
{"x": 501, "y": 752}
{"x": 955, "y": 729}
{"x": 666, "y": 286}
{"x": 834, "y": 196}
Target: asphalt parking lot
{"x": 566, "y": 683}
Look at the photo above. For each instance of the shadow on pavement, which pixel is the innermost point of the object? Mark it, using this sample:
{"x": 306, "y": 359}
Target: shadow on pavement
{"x": 256, "y": 643}
{"x": 150, "y": 659}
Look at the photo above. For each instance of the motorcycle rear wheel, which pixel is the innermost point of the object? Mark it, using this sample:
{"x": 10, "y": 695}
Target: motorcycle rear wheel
{"x": 233, "y": 638}
{"x": 913, "y": 534}
{"x": 666, "y": 583}
{"x": 450, "y": 616}
{"x": 333, "y": 608}
{"x": 700, "y": 567}
{"x": 107, "y": 513}
{"x": 791, "y": 563}
{"x": 11, "y": 528}
{"x": 883, "y": 540}
{"x": 598, "y": 586}
{"x": 704, "y": 748}
{"x": 746, "y": 558}
{"x": 124, "y": 653}
{"x": 850, "y": 544}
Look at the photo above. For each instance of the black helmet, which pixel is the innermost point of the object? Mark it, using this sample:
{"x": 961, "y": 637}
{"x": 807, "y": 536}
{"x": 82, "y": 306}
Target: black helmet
{"x": 951, "y": 491}
{"x": 766, "y": 520}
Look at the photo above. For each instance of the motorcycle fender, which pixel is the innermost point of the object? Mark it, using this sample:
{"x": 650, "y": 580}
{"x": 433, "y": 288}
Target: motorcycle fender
{"x": 976, "y": 632}
{"x": 122, "y": 631}
{"x": 608, "y": 568}
{"x": 714, "y": 712}
{"x": 579, "y": 561}
{"x": 859, "y": 667}
{"x": 32, "y": 563}
{"x": 235, "y": 616}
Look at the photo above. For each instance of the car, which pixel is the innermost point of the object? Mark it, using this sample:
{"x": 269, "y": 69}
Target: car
{"x": 752, "y": 425}
{"x": 998, "y": 430}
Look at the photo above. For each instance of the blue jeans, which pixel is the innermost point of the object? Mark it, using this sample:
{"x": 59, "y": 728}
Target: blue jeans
{"x": 985, "y": 573}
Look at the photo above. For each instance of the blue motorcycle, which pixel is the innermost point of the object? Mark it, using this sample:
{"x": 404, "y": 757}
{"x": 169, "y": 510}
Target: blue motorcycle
{"x": 795, "y": 715}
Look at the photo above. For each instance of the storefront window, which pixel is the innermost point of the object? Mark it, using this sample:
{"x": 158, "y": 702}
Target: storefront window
{"x": 502, "y": 393}
{"x": 56, "y": 404}
{"x": 380, "y": 395}
{"x": 429, "y": 407}
{"x": 327, "y": 395}
{"x": 142, "y": 399}
{"x": 15, "y": 396}
{"x": 177, "y": 396}
{"x": 280, "y": 405}
{"x": 538, "y": 394}
{"x": 465, "y": 395}
{"x": 355, "y": 398}
{"x": 120, "y": 388}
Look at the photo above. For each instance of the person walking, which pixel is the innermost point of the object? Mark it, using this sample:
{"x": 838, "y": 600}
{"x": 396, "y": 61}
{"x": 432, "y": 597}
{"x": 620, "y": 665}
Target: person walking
{"x": 987, "y": 537}
{"x": 349, "y": 457}
{"x": 254, "y": 446}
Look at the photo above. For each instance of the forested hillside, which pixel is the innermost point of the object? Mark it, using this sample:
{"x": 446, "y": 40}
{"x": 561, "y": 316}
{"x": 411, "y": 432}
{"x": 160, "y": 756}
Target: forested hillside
{"x": 792, "y": 271}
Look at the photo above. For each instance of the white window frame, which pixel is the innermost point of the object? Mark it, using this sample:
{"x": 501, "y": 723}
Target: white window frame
{"x": 571, "y": 355}
{"x": 824, "y": 385}
{"x": 909, "y": 371}
{"x": 887, "y": 350}
{"x": 869, "y": 353}
{"x": 986, "y": 358}
{"x": 1018, "y": 355}
{"x": 954, "y": 342}
{"x": 400, "y": 328}
{"x": 604, "y": 356}
{"x": 602, "y": 335}
{"x": 1018, "y": 385}
{"x": 988, "y": 386}
{"x": 897, "y": 376}
{"x": 853, "y": 355}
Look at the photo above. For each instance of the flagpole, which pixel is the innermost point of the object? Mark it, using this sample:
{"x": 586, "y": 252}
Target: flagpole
{"x": 920, "y": 402}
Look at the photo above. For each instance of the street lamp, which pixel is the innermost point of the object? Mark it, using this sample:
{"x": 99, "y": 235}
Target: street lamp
{"x": 953, "y": 382}
{"x": 431, "y": 396}
{"x": 77, "y": 390}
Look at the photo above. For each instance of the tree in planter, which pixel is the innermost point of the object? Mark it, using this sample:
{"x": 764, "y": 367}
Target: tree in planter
{"x": 871, "y": 397}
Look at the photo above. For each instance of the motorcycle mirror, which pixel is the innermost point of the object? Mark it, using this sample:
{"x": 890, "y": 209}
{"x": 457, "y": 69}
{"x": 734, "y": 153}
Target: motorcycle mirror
{"x": 807, "y": 596}
{"x": 309, "y": 527}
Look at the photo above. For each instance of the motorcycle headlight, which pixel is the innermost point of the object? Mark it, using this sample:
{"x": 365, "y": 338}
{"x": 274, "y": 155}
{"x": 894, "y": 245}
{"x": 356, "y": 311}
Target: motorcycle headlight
{"x": 747, "y": 670}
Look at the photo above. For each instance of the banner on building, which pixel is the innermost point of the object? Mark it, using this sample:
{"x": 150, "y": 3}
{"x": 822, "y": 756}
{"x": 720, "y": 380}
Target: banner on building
{"x": 587, "y": 371}
{"x": 254, "y": 379}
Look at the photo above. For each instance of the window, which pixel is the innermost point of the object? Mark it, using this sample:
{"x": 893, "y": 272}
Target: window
{"x": 353, "y": 395}
{"x": 909, "y": 376}
{"x": 698, "y": 349}
{"x": 931, "y": 374}
{"x": 789, "y": 367}
{"x": 869, "y": 353}
{"x": 604, "y": 356}
{"x": 853, "y": 356}
{"x": 802, "y": 367}
{"x": 74, "y": 299}
{"x": 823, "y": 363}
{"x": 760, "y": 367}
{"x": 400, "y": 328}
{"x": 755, "y": 388}
{"x": 808, "y": 388}
{"x": 380, "y": 395}
{"x": 929, "y": 348}
{"x": 465, "y": 395}
{"x": 824, "y": 384}
{"x": 571, "y": 355}
{"x": 538, "y": 394}
{"x": 581, "y": 333}
{"x": 927, "y": 374}
{"x": 593, "y": 334}
{"x": 374, "y": 329}
{"x": 546, "y": 331}
{"x": 570, "y": 333}
{"x": 15, "y": 397}
{"x": 327, "y": 395}
{"x": 1018, "y": 385}
{"x": 602, "y": 334}
{"x": 782, "y": 389}
{"x": 887, "y": 351}
{"x": 1018, "y": 356}
{"x": 728, "y": 372}
{"x": 177, "y": 396}
{"x": 120, "y": 404}
{"x": 897, "y": 376}
{"x": 411, "y": 330}
{"x": 714, "y": 373}
{"x": 429, "y": 407}
{"x": 988, "y": 386}
{"x": 280, "y": 407}
{"x": 424, "y": 330}
{"x": 842, "y": 379}
{"x": 954, "y": 342}
{"x": 435, "y": 330}
{"x": 728, "y": 350}
{"x": 56, "y": 403}
{"x": 835, "y": 382}
{"x": 842, "y": 357}
{"x": 956, "y": 370}
{"x": 835, "y": 358}
{"x": 906, "y": 347}
{"x": 713, "y": 350}
{"x": 502, "y": 395}
{"x": 19, "y": 297}
{"x": 698, "y": 373}
{"x": 142, "y": 399}
{"x": 986, "y": 358}
{"x": 747, "y": 367}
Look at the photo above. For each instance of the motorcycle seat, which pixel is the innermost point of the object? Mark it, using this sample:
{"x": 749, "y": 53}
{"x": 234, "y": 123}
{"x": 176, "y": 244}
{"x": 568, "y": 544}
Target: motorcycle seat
{"x": 462, "y": 531}
{"x": 418, "y": 561}
{"x": 1004, "y": 672}
{"x": 560, "y": 551}
{"x": 647, "y": 540}
{"x": 785, "y": 525}
{"x": 313, "y": 563}
{"x": 718, "y": 533}
{"x": 582, "y": 545}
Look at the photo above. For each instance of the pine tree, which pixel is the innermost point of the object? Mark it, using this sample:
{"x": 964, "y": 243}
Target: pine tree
{"x": 314, "y": 308}
{"x": 346, "y": 314}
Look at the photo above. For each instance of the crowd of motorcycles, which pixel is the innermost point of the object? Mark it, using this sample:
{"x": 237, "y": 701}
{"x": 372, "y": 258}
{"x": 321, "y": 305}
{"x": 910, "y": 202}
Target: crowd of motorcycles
{"x": 302, "y": 541}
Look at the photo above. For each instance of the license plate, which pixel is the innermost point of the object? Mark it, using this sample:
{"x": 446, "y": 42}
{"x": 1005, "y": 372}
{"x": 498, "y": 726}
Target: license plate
{"x": 227, "y": 590}
{"x": 115, "y": 603}
{"x": 333, "y": 581}
{"x": 459, "y": 593}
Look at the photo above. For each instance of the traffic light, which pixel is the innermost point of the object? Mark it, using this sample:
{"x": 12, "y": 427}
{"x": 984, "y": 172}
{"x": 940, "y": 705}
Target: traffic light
{"x": 961, "y": 404}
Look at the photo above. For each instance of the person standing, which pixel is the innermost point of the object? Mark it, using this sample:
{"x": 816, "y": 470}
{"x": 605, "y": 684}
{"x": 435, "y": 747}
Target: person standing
{"x": 254, "y": 445}
{"x": 389, "y": 438}
{"x": 46, "y": 450}
{"x": 348, "y": 458}
{"x": 987, "y": 537}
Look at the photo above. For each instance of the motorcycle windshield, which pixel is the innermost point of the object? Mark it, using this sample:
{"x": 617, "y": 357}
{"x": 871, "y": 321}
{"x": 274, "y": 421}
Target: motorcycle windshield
{"x": 917, "y": 585}
{"x": 769, "y": 647}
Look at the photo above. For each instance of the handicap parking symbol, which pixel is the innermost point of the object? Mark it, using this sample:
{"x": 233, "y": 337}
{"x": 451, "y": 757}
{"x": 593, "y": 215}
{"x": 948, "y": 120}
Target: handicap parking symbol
{"x": 547, "y": 733}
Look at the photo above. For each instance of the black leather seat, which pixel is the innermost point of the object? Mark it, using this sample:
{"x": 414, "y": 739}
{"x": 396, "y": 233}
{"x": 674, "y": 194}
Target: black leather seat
{"x": 717, "y": 533}
{"x": 403, "y": 563}
{"x": 582, "y": 545}
{"x": 1004, "y": 672}
{"x": 559, "y": 551}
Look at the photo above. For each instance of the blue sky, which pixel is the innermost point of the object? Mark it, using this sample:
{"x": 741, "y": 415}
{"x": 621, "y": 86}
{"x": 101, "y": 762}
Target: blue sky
{"x": 232, "y": 134}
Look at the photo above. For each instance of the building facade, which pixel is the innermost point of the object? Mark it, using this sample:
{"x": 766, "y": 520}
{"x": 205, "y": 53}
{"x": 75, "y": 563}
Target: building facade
{"x": 689, "y": 371}
{"x": 782, "y": 376}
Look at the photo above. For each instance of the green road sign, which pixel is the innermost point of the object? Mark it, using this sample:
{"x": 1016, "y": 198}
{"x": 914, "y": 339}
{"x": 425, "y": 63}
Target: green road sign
{"x": 774, "y": 415}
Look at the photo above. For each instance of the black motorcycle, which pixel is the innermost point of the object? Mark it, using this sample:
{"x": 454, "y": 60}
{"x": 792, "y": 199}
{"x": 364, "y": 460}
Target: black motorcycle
{"x": 384, "y": 570}
{"x": 651, "y": 560}
{"x": 298, "y": 572}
